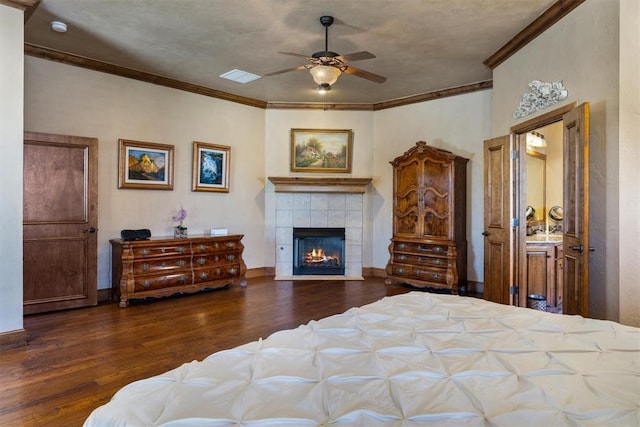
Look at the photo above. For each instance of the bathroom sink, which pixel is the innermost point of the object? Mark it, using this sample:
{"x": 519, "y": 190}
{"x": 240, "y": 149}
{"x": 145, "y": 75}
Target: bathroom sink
{"x": 544, "y": 238}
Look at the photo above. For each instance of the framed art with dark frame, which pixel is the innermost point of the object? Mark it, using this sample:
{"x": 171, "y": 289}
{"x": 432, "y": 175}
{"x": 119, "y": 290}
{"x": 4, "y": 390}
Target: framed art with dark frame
{"x": 211, "y": 167}
{"x": 145, "y": 165}
{"x": 321, "y": 150}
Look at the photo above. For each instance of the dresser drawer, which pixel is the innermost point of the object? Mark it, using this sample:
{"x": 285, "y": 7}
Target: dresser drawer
{"x": 213, "y": 247}
{"x": 147, "y": 283}
{"x": 216, "y": 259}
{"x": 151, "y": 266}
{"x": 425, "y": 274}
{"x": 427, "y": 261}
{"x": 208, "y": 274}
{"x": 420, "y": 248}
{"x": 168, "y": 250}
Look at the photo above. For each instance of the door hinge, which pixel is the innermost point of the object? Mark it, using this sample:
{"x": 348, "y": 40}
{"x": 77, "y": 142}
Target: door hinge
{"x": 515, "y": 154}
{"x": 513, "y": 290}
{"x": 515, "y": 222}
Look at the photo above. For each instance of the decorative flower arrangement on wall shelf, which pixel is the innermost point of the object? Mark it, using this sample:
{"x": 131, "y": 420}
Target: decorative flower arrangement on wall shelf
{"x": 180, "y": 230}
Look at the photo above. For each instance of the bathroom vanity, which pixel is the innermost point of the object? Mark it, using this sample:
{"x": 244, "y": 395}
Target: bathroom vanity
{"x": 545, "y": 269}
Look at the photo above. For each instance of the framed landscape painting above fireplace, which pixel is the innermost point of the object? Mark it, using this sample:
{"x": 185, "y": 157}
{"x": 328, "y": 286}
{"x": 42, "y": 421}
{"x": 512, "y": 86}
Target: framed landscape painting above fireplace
{"x": 321, "y": 150}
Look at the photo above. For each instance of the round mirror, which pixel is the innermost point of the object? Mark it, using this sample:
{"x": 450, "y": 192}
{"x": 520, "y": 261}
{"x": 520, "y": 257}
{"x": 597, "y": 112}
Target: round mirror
{"x": 556, "y": 213}
{"x": 530, "y": 212}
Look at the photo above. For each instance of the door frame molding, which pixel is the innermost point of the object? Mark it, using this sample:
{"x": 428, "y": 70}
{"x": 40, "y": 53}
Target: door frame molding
{"x": 519, "y": 252}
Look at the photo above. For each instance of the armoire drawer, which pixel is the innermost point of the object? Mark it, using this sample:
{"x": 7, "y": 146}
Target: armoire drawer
{"x": 420, "y": 248}
{"x": 413, "y": 272}
{"x": 427, "y": 261}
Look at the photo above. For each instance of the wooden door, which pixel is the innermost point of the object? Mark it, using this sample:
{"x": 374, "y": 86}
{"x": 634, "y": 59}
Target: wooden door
{"x": 576, "y": 211}
{"x": 60, "y": 222}
{"x": 497, "y": 231}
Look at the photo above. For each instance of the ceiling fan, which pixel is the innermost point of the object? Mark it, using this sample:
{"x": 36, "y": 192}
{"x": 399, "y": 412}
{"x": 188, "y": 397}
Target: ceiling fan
{"x": 326, "y": 66}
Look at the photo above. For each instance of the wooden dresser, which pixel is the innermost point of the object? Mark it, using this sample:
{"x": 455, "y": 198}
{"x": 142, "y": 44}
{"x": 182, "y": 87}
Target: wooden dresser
{"x": 167, "y": 266}
{"x": 429, "y": 247}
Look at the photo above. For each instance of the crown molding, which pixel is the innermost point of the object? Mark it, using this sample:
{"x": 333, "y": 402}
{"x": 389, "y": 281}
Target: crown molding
{"x": 20, "y": 4}
{"x": 105, "y": 67}
{"x": 437, "y": 94}
{"x": 318, "y": 106}
{"x": 543, "y": 22}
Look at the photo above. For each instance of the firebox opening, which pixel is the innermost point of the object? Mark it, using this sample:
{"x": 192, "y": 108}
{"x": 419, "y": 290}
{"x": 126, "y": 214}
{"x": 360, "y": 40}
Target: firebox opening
{"x": 318, "y": 251}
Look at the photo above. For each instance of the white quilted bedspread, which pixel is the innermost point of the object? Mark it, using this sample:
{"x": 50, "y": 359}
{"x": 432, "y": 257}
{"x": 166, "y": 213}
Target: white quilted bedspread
{"x": 416, "y": 359}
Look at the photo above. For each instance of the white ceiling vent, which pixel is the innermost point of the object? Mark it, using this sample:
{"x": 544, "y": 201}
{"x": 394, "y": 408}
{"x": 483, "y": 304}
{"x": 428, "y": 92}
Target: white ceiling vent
{"x": 239, "y": 76}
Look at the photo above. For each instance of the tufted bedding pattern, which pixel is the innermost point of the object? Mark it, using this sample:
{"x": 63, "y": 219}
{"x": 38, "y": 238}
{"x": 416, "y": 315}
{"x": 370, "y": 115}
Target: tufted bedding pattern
{"x": 416, "y": 359}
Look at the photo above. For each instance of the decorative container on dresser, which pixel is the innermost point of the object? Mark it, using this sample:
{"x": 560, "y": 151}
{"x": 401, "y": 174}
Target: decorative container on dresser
{"x": 429, "y": 247}
{"x": 167, "y": 266}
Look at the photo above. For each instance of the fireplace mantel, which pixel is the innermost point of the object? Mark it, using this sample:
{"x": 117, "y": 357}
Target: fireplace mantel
{"x": 296, "y": 184}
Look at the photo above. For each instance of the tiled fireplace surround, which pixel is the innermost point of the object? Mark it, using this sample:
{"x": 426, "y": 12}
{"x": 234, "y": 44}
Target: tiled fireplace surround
{"x": 319, "y": 202}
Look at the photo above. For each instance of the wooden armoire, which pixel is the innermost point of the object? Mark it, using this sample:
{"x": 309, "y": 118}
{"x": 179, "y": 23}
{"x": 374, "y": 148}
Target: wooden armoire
{"x": 429, "y": 244}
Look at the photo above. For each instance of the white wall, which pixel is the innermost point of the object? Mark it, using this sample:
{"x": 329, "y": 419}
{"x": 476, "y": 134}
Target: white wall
{"x": 582, "y": 51}
{"x": 278, "y": 125}
{"x": 629, "y": 174}
{"x": 459, "y": 124}
{"x": 73, "y": 101}
{"x": 11, "y": 112}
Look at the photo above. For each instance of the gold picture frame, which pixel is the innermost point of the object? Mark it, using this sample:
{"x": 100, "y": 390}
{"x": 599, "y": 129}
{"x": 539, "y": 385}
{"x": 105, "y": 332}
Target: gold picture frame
{"x": 145, "y": 165}
{"x": 321, "y": 150}
{"x": 211, "y": 167}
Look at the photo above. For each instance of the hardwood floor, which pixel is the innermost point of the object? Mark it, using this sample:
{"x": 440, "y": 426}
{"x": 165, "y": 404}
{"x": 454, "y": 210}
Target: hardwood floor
{"x": 76, "y": 360}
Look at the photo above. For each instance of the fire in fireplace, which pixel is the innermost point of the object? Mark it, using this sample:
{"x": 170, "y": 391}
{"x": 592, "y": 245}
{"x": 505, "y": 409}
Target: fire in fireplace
{"x": 318, "y": 251}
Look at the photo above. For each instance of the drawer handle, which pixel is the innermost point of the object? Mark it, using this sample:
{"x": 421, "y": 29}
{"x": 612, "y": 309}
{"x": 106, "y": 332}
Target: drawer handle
{"x": 231, "y": 244}
{"x": 231, "y": 257}
{"x": 180, "y": 249}
{"x": 145, "y": 251}
{"x": 146, "y": 283}
{"x": 203, "y": 275}
{"x": 201, "y": 261}
{"x": 437, "y": 249}
{"x": 182, "y": 279}
{"x": 437, "y": 262}
{"x": 202, "y": 247}
{"x": 232, "y": 271}
{"x": 402, "y": 257}
{"x": 402, "y": 246}
{"x": 400, "y": 270}
{"x": 145, "y": 267}
{"x": 181, "y": 263}
{"x": 436, "y": 276}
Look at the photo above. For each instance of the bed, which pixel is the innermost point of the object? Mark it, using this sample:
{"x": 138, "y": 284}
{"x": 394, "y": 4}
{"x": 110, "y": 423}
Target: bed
{"x": 416, "y": 359}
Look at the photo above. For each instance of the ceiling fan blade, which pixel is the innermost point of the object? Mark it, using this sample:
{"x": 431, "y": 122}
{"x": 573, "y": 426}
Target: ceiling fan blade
{"x": 299, "y": 55}
{"x": 364, "y": 74}
{"x": 356, "y": 56}
{"x": 299, "y": 67}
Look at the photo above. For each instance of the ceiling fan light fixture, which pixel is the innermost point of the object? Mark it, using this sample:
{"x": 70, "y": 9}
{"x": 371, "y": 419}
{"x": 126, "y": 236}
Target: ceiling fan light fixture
{"x": 324, "y": 88}
{"x": 325, "y": 74}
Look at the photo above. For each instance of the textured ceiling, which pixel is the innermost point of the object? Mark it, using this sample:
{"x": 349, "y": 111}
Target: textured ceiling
{"x": 421, "y": 45}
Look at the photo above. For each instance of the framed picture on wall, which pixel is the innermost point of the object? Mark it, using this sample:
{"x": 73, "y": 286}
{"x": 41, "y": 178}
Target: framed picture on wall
{"x": 145, "y": 165}
{"x": 211, "y": 167}
{"x": 321, "y": 150}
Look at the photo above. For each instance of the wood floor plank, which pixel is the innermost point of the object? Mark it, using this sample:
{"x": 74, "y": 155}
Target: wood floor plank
{"x": 77, "y": 359}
